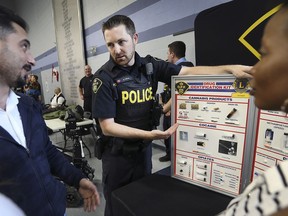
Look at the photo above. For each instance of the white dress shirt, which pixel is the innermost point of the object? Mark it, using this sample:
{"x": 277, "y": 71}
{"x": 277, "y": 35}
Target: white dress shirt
{"x": 11, "y": 119}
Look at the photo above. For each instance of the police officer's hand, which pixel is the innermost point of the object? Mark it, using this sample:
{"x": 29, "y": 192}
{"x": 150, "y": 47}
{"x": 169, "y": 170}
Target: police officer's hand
{"x": 241, "y": 71}
{"x": 90, "y": 195}
{"x": 158, "y": 134}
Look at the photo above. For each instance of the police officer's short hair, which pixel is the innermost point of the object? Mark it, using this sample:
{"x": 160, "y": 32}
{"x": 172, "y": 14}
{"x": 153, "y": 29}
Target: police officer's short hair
{"x": 7, "y": 17}
{"x": 117, "y": 20}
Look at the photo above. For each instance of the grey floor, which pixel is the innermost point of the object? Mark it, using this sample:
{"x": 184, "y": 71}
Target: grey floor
{"x": 57, "y": 139}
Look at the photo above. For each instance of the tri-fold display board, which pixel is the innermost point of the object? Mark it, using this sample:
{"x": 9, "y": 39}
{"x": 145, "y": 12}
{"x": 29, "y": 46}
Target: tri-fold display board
{"x": 223, "y": 141}
{"x": 271, "y": 140}
{"x": 213, "y": 147}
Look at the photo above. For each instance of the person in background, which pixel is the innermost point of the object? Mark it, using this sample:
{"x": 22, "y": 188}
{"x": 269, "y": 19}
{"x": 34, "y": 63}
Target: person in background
{"x": 124, "y": 86}
{"x": 19, "y": 86}
{"x": 27, "y": 82}
{"x": 176, "y": 55}
{"x": 34, "y": 88}
{"x": 85, "y": 89}
{"x": 58, "y": 99}
{"x": 35, "y": 167}
{"x": 267, "y": 194}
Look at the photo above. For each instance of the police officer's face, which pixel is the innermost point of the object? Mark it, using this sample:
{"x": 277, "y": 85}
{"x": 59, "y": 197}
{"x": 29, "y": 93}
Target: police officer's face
{"x": 15, "y": 57}
{"x": 121, "y": 45}
{"x": 87, "y": 70}
{"x": 269, "y": 85}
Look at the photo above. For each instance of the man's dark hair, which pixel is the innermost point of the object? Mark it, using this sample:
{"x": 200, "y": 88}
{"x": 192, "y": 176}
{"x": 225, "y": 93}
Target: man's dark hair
{"x": 7, "y": 18}
{"x": 178, "y": 48}
{"x": 117, "y": 20}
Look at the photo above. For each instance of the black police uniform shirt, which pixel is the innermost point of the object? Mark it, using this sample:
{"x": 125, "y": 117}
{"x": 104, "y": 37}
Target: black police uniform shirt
{"x": 129, "y": 104}
{"x": 86, "y": 84}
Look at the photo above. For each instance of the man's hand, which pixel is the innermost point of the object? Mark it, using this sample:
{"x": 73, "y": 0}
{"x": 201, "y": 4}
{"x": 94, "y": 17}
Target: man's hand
{"x": 241, "y": 71}
{"x": 158, "y": 134}
{"x": 90, "y": 195}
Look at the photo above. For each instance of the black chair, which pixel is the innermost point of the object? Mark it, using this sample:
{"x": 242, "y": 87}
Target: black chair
{"x": 73, "y": 198}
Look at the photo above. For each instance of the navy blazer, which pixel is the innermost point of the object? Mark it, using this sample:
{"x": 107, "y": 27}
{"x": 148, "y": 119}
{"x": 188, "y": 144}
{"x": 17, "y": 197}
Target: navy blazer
{"x": 27, "y": 176}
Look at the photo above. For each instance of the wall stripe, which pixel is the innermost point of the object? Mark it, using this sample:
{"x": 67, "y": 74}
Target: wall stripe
{"x": 130, "y": 9}
{"x": 183, "y": 22}
{"x": 187, "y": 23}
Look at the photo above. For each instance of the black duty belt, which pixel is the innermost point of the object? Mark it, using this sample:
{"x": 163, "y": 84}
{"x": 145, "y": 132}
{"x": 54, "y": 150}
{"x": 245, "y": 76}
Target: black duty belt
{"x": 126, "y": 147}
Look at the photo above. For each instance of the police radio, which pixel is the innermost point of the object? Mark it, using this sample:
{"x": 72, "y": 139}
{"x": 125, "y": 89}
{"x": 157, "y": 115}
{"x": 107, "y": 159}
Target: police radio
{"x": 149, "y": 69}
{"x": 157, "y": 107}
{"x": 157, "y": 111}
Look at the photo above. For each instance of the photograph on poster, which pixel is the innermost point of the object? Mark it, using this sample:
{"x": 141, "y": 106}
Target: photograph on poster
{"x": 182, "y": 106}
{"x": 269, "y": 133}
{"x": 201, "y": 143}
{"x": 183, "y": 135}
{"x": 234, "y": 110}
{"x": 273, "y": 136}
{"x": 285, "y": 141}
{"x": 183, "y": 115}
{"x": 194, "y": 106}
{"x": 227, "y": 147}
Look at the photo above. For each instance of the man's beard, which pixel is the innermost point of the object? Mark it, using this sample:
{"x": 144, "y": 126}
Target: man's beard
{"x": 20, "y": 82}
{"x": 8, "y": 68}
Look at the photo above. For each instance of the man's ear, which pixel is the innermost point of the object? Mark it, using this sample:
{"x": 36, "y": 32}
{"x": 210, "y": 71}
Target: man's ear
{"x": 172, "y": 54}
{"x": 135, "y": 38}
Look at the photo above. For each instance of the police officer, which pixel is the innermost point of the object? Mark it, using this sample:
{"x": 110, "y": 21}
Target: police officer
{"x": 123, "y": 91}
{"x": 84, "y": 88}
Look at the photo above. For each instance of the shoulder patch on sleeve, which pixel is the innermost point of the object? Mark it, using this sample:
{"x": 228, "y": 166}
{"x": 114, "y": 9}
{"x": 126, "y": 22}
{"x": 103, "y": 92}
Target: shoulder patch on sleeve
{"x": 97, "y": 83}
